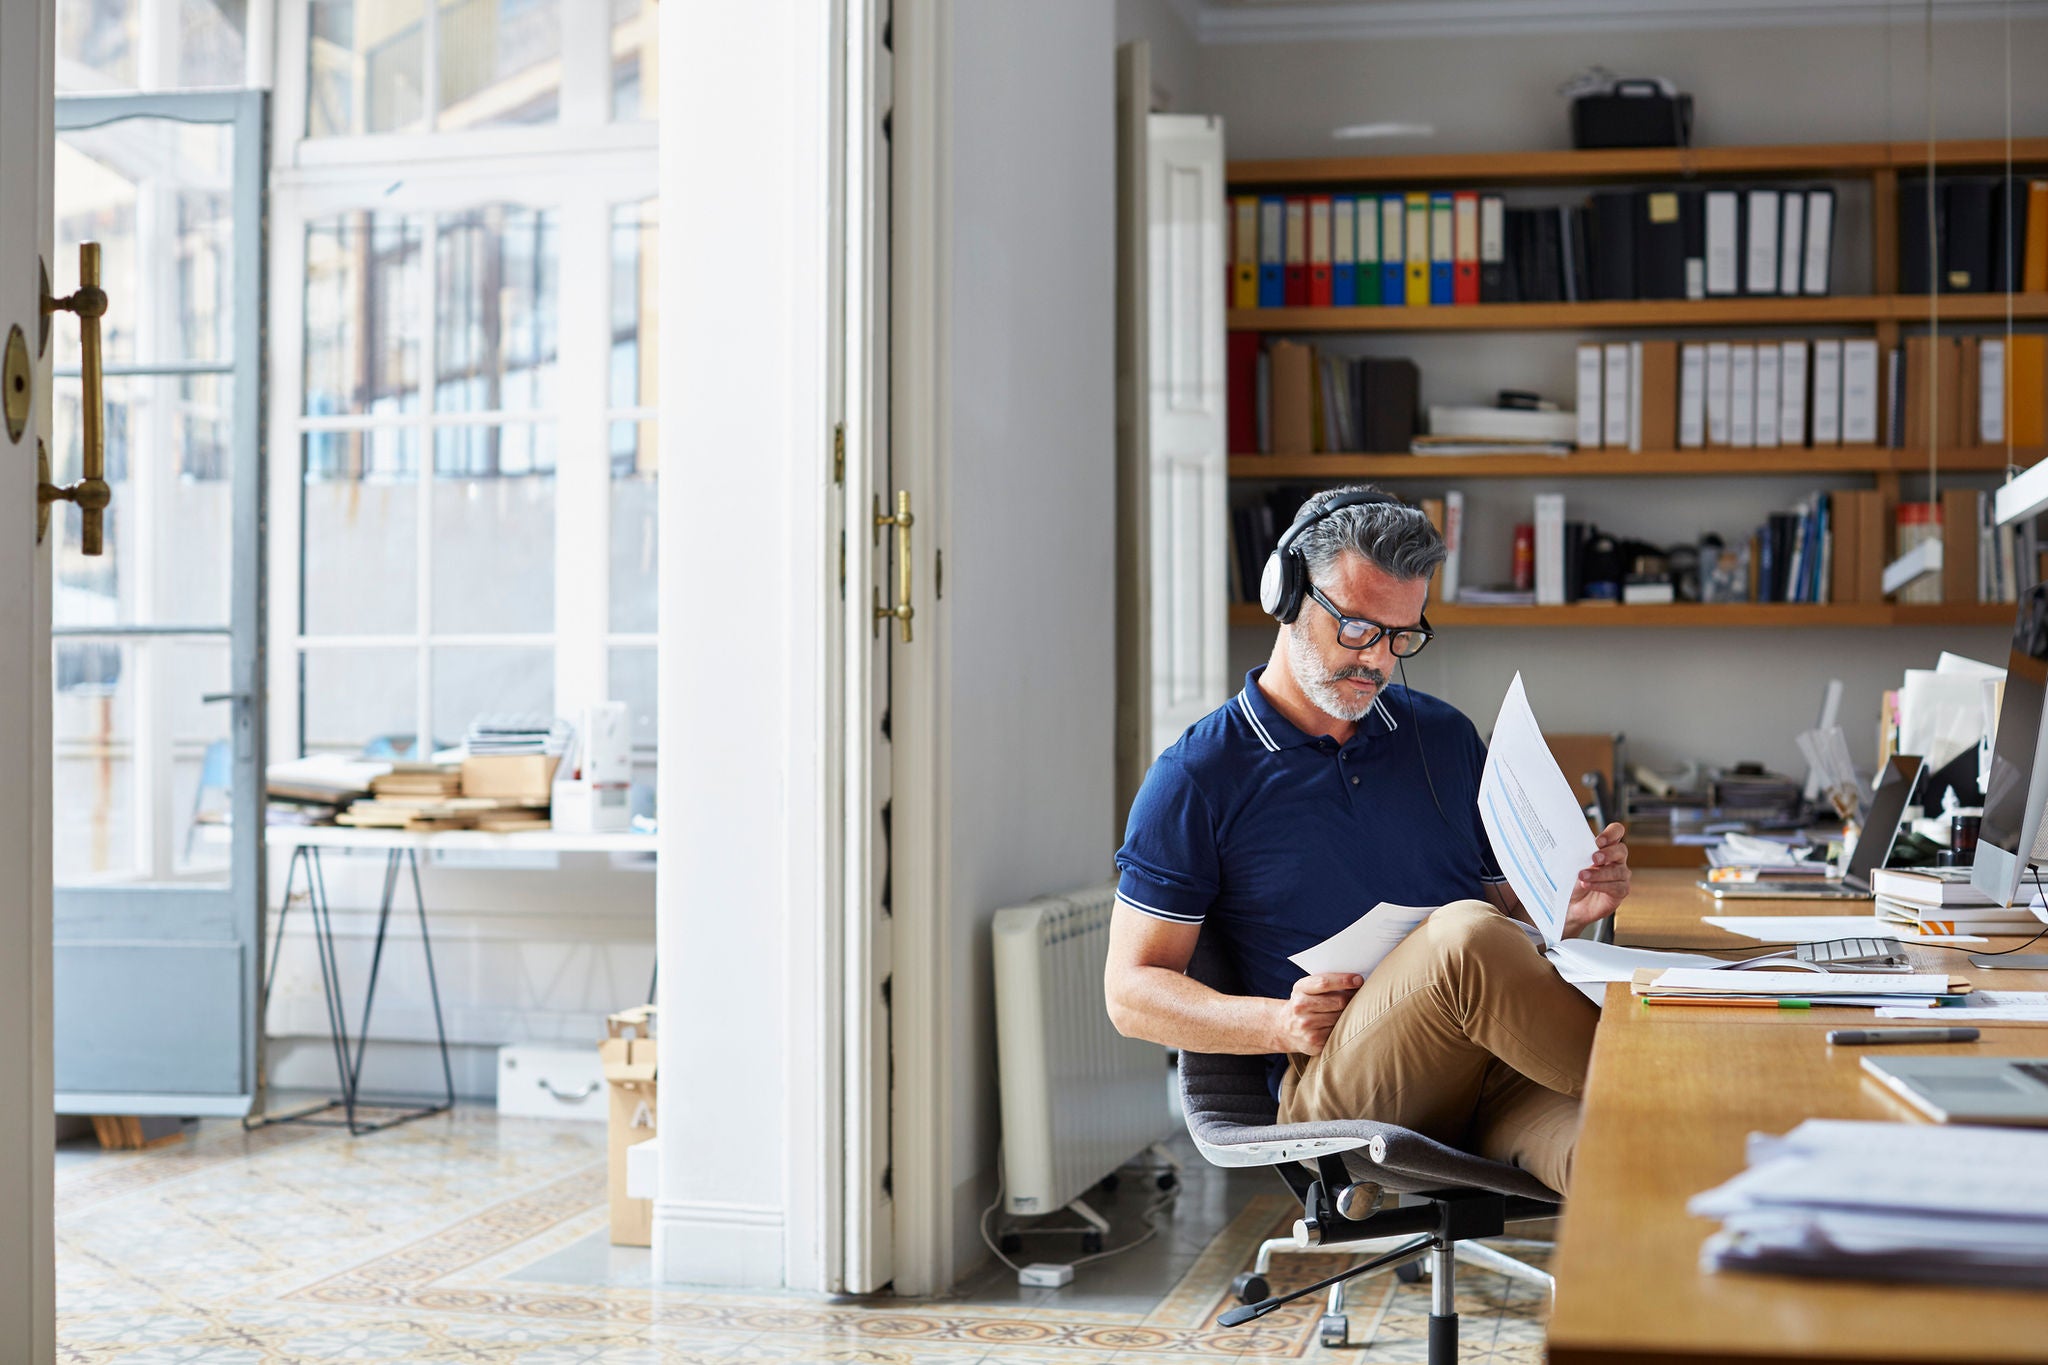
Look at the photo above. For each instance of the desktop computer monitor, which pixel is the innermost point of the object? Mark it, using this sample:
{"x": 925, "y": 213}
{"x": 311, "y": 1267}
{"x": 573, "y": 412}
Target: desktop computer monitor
{"x": 2017, "y": 788}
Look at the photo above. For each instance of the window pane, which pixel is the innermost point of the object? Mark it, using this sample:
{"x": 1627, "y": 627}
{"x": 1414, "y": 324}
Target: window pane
{"x": 495, "y": 310}
{"x": 365, "y": 65}
{"x": 98, "y": 48}
{"x": 363, "y": 314}
{"x": 93, "y": 795}
{"x": 501, "y": 62}
{"x": 360, "y": 553}
{"x": 633, "y": 556}
{"x": 201, "y": 755}
{"x": 494, "y": 555}
{"x": 472, "y": 682}
{"x": 167, "y": 563}
{"x": 633, "y": 682}
{"x": 633, "y": 70}
{"x": 633, "y": 305}
{"x": 175, "y": 180}
{"x": 353, "y": 699}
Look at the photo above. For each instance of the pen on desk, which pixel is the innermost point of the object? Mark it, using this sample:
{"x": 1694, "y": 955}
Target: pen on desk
{"x": 1736, "y": 1002}
{"x": 1901, "y": 1035}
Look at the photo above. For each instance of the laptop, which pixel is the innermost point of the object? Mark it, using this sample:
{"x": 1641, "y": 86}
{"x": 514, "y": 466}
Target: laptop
{"x": 1880, "y": 832}
{"x": 2011, "y": 1090}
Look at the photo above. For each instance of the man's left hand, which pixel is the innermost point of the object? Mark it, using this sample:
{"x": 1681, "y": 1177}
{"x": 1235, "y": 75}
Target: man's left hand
{"x": 1603, "y": 886}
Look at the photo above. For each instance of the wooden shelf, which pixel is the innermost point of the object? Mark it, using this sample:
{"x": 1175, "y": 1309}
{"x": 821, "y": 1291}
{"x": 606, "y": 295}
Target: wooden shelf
{"x": 1689, "y": 615}
{"x": 1625, "y": 464}
{"x": 1836, "y": 160}
{"x": 1828, "y": 310}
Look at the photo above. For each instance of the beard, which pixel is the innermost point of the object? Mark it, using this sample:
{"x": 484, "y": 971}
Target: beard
{"x": 1320, "y": 682}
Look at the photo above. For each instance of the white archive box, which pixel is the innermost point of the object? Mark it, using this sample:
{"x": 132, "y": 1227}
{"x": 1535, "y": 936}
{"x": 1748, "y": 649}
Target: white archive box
{"x": 546, "y": 1082}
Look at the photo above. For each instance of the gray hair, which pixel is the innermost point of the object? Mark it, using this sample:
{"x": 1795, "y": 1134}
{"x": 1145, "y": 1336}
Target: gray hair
{"x": 1392, "y": 535}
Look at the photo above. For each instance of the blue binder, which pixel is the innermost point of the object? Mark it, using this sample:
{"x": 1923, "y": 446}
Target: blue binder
{"x": 1393, "y": 262}
{"x": 1442, "y": 274}
{"x": 1272, "y": 251}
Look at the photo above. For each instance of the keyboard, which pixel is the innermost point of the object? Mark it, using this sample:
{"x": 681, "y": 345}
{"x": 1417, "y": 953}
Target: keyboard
{"x": 1862, "y": 954}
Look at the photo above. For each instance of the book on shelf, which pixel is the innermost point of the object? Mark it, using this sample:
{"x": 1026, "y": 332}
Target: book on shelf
{"x": 1463, "y": 445}
{"x": 1439, "y": 248}
{"x": 1507, "y": 425}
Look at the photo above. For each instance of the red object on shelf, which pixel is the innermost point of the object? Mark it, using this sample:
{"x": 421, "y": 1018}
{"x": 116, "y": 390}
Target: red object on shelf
{"x": 1241, "y": 398}
{"x": 1525, "y": 557}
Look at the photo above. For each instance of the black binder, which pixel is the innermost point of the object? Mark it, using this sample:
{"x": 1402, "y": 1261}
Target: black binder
{"x": 2008, "y": 232}
{"x": 1692, "y": 232}
{"x": 1611, "y": 252}
{"x": 1966, "y": 231}
{"x": 1660, "y": 244}
{"x": 1913, "y": 256}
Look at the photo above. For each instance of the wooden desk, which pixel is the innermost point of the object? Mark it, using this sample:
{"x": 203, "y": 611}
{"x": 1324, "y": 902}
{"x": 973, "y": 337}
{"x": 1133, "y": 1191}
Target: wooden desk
{"x": 1671, "y": 1099}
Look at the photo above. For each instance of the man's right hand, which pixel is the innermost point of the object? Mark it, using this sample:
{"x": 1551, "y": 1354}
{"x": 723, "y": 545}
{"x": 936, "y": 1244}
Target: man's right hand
{"x": 1308, "y": 1014}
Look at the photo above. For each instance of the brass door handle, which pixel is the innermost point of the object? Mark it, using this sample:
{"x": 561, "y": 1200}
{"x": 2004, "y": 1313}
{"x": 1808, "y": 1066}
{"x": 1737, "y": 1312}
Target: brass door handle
{"x": 902, "y": 612}
{"x": 91, "y": 493}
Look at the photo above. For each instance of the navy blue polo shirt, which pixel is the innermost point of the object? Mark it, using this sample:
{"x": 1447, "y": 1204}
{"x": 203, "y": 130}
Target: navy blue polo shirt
{"x": 1277, "y": 839}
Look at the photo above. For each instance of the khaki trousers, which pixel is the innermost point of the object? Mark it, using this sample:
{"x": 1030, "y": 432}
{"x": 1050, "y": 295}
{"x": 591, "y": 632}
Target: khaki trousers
{"x": 1466, "y": 1034}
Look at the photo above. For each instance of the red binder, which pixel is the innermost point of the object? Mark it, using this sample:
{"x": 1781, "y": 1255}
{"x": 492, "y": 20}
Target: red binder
{"x": 1241, "y": 415}
{"x": 1465, "y": 247}
{"x": 1297, "y": 251}
{"x": 1319, "y": 251}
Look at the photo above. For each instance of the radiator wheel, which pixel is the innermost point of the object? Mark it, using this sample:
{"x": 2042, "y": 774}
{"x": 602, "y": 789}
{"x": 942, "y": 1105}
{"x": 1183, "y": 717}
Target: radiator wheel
{"x": 1411, "y": 1273}
{"x": 1011, "y": 1243}
{"x": 1167, "y": 1180}
{"x": 1250, "y": 1288}
{"x": 1091, "y": 1242}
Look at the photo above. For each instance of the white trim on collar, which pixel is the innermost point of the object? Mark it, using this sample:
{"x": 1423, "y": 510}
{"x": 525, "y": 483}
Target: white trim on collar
{"x": 1244, "y": 703}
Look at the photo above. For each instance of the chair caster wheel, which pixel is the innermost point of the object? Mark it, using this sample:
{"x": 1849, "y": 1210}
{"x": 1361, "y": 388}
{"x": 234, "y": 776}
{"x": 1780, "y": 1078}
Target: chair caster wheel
{"x": 1167, "y": 1180}
{"x": 1333, "y": 1330}
{"x": 1010, "y": 1242}
{"x": 1108, "y": 1183}
{"x": 1250, "y": 1288}
{"x": 1091, "y": 1242}
{"x": 1410, "y": 1273}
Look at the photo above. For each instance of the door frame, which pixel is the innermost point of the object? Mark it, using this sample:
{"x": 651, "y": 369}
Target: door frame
{"x": 924, "y": 1000}
{"x": 28, "y": 1299}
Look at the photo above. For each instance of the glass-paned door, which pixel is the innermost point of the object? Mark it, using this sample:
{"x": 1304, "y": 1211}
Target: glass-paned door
{"x": 157, "y": 715}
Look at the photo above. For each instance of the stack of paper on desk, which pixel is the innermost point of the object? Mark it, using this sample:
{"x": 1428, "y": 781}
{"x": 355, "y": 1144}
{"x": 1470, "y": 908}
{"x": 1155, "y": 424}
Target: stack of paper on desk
{"x": 1693, "y": 981}
{"x": 1886, "y": 1201}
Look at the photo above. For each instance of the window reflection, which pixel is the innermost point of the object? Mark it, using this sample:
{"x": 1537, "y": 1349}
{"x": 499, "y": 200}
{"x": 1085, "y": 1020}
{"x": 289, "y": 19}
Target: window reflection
{"x": 495, "y": 312}
{"x": 362, "y": 314}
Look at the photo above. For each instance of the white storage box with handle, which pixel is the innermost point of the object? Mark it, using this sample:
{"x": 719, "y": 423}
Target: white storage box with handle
{"x": 544, "y": 1082}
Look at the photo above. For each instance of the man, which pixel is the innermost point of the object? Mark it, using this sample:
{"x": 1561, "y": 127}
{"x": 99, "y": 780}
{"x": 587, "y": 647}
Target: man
{"x": 1320, "y": 791}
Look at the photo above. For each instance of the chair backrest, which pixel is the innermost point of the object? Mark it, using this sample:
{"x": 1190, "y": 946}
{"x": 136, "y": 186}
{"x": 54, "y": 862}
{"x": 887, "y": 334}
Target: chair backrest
{"x": 1220, "y": 1087}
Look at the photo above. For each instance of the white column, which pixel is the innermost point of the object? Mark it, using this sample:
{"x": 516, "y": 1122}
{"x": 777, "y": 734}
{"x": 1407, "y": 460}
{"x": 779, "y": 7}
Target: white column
{"x": 740, "y": 900}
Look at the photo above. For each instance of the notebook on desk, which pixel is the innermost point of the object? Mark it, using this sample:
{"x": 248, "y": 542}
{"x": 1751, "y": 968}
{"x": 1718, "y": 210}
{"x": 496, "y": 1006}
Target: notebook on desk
{"x": 1880, "y": 832}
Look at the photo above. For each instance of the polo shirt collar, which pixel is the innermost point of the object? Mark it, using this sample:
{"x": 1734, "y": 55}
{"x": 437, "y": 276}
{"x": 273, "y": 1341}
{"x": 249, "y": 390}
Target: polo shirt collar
{"x": 1275, "y": 732}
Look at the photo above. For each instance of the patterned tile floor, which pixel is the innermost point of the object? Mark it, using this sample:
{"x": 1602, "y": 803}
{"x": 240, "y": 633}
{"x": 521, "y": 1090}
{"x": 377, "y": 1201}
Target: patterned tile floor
{"x": 464, "y": 1238}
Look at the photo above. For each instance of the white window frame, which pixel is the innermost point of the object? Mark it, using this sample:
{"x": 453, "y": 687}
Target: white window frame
{"x": 581, "y": 169}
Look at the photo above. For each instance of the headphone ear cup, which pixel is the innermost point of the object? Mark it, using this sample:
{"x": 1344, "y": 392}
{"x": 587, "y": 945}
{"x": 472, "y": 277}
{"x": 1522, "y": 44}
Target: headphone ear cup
{"x": 1278, "y": 596}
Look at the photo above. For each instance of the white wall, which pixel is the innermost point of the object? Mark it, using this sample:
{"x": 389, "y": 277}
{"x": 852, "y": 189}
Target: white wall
{"x": 1176, "y": 59}
{"x": 744, "y": 433}
{"x": 1029, "y": 563}
{"x": 1713, "y": 695}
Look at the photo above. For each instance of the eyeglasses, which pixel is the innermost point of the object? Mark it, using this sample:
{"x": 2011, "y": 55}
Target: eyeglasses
{"x": 1355, "y": 632}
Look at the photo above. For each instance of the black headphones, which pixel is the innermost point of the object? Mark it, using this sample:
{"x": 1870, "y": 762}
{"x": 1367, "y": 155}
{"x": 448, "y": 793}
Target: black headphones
{"x": 1284, "y": 583}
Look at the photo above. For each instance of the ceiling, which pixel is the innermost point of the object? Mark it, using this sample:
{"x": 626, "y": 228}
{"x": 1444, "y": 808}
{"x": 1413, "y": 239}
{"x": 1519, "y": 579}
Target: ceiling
{"x": 1285, "y": 21}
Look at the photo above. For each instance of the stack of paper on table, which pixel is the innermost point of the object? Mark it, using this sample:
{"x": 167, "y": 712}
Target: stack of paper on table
{"x": 1982, "y": 1007}
{"x": 1819, "y": 928}
{"x": 1942, "y": 900}
{"x": 1886, "y": 1201}
{"x": 1778, "y": 982}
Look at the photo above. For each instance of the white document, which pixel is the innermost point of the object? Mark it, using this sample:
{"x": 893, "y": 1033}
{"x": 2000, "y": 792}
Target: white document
{"x": 1991, "y": 391}
{"x": 1718, "y": 353}
{"x": 1742, "y": 394}
{"x": 1820, "y": 235}
{"x": 1549, "y": 549}
{"x": 1532, "y": 816}
{"x": 1764, "y": 981}
{"x": 1724, "y": 242}
{"x": 1590, "y": 966}
{"x": 1791, "y": 244}
{"x": 2010, "y": 1006}
{"x": 1827, "y": 393}
{"x": 1692, "y": 396}
{"x": 1940, "y": 714}
{"x": 1792, "y": 393}
{"x": 1364, "y": 943}
{"x": 1614, "y": 391}
{"x": 1859, "y": 393}
{"x": 1763, "y": 242}
{"x": 1767, "y": 388}
{"x": 1591, "y": 411}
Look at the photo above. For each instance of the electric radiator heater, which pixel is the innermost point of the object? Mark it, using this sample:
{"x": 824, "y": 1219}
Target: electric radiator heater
{"x": 1078, "y": 1098}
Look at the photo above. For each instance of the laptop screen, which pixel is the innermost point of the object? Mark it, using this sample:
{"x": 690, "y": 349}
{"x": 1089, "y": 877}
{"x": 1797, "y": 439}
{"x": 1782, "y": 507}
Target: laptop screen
{"x": 1881, "y": 830}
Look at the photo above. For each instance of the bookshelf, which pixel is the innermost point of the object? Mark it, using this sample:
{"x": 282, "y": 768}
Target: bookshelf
{"x": 1881, "y": 314}
{"x": 1722, "y": 615}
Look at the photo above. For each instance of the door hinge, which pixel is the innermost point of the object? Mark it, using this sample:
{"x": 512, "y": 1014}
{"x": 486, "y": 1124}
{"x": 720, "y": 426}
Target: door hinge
{"x": 842, "y": 564}
{"x": 839, "y": 452}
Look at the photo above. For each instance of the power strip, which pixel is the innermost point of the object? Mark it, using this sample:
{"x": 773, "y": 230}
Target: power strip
{"x": 1045, "y": 1275}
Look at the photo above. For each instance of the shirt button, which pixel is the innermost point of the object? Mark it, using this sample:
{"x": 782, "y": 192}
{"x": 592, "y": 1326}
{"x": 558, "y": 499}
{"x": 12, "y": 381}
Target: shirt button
{"x": 1354, "y": 781}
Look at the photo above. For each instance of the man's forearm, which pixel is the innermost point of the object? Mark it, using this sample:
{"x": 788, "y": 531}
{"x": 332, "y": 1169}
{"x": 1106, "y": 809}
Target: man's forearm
{"x": 1174, "y": 1010}
{"x": 1507, "y": 902}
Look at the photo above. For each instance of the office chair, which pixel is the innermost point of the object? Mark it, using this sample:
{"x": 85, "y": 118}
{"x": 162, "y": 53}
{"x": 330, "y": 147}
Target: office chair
{"x": 1405, "y": 1186}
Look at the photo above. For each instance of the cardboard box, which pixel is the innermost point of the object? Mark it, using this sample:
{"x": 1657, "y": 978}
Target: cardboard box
{"x": 628, "y": 1058}
{"x": 510, "y": 777}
